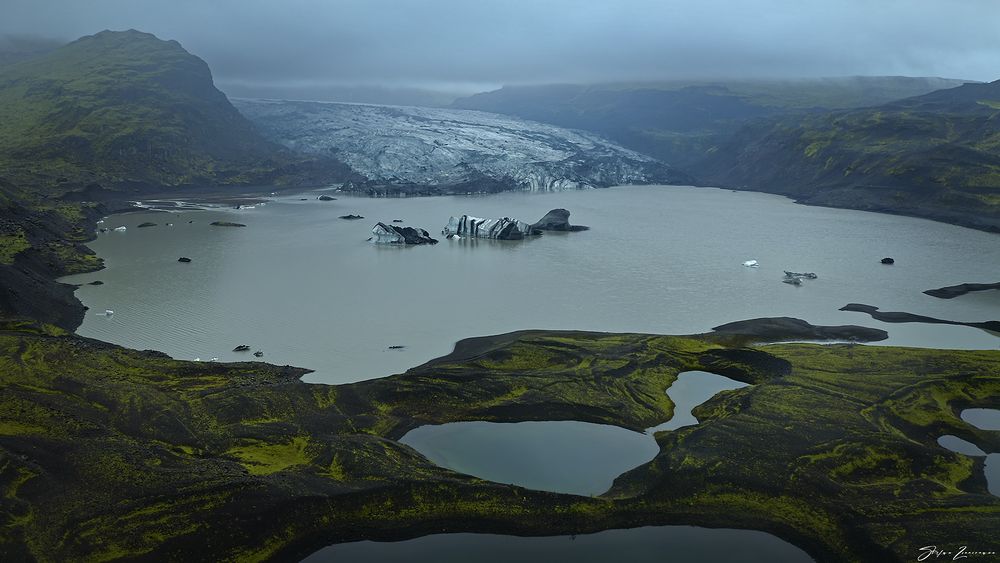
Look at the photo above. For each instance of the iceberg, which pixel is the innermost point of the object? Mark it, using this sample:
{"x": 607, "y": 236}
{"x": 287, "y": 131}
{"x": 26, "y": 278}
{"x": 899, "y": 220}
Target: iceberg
{"x": 391, "y": 234}
{"x": 503, "y": 228}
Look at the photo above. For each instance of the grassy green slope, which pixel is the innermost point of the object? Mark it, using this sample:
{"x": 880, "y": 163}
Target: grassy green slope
{"x": 109, "y": 453}
{"x": 935, "y": 156}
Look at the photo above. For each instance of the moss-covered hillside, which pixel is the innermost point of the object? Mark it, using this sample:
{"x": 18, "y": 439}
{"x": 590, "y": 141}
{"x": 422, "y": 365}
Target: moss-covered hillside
{"x": 128, "y": 108}
{"x": 935, "y": 156}
{"x": 108, "y": 453}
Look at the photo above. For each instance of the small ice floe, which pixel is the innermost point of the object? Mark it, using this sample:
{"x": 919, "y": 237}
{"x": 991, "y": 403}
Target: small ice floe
{"x": 751, "y": 264}
{"x": 120, "y": 229}
{"x": 108, "y": 312}
{"x": 214, "y": 360}
{"x": 100, "y": 222}
{"x": 197, "y": 359}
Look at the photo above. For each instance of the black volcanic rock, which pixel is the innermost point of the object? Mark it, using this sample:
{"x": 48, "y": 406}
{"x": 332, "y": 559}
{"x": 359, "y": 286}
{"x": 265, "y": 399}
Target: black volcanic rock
{"x": 776, "y": 329}
{"x": 888, "y": 261}
{"x": 953, "y": 291}
{"x": 144, "y": 225}
{"x": 351, "y": 217}
{"x": 326, "y": 198}
{"x": 184, "y": 259}
{"x": 902, "y": 317}
{"x": 556, "y": 220}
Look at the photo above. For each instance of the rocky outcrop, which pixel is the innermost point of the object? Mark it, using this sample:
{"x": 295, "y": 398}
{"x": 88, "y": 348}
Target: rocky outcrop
{"x": 503, "y": 228}
{"x": 777, "y": 329}
{"x": 953, "y": 291}
{"x": 556, "y": 220}
{"x": 351, "y": 217}
{"x": 226, "y": 224}
{"x": 902, "y": 317}
{"x": 391, "y": 234}
{"x": 430, "y": 150}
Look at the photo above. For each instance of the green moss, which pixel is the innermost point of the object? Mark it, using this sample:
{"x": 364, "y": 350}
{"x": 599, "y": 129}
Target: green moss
{"x": 262, "y": 458}
{"x": 12, "y": 245}
{"x": 151, "y": 457}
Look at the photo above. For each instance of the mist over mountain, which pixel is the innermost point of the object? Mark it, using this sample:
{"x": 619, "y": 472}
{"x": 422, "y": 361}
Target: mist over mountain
{"x": 678, "y": 121}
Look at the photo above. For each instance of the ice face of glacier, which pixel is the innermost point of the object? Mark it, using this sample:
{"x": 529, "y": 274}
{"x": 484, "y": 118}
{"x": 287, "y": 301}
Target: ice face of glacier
{"x": 418, "y": 150}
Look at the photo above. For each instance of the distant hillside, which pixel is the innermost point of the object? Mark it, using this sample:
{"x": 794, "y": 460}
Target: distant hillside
{"x": 427, "y": 150}
{"x": 936, "y": 156}
{"x": 14, "y": 49}
{"x": 678, "y": 121}
{"x": 124, "y": 108}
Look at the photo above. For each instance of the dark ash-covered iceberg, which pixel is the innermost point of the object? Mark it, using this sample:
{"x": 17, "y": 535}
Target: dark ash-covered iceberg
{"x": 391, "y": 234}
{"x": 556, "y": 220}
{"x": 503, "y": 228}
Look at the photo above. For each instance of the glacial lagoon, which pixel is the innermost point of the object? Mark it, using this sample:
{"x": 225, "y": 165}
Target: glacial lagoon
{"x": 307, "y": 289}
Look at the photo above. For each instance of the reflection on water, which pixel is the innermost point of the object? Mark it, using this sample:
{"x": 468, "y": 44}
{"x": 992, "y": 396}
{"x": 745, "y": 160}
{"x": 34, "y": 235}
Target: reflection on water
{"x": 985, "y": 419}
{"x": 561, "y": 456}
{"x": 960, "y": 446}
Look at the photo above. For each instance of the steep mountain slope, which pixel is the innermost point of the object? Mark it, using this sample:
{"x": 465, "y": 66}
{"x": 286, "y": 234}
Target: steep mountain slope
{"x": 677, "y": 121}
{"x": 124, "y": 108}
{"x": 423, "y": 150}
{"x": 932, "y": 156}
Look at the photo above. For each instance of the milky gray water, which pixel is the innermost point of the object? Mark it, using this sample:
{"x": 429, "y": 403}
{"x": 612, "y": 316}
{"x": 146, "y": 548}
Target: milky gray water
{"x": 307, "y": 289}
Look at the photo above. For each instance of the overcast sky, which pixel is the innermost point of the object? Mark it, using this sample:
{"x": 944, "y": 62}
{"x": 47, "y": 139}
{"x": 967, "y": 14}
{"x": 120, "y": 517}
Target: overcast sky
{"x": 478, "y": 44}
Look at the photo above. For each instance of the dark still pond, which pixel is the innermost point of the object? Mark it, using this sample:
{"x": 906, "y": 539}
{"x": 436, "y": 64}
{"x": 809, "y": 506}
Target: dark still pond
{"x": 654, "y": 544}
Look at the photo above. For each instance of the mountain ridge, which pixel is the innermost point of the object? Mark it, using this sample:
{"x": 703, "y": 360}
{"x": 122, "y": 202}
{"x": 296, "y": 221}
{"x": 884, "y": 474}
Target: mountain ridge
{"x": 932, "y": 156}
{"x": 126, "y": 108}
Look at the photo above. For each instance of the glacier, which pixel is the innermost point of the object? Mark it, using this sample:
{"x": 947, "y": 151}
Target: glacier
{"x": 417, "y": 150}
